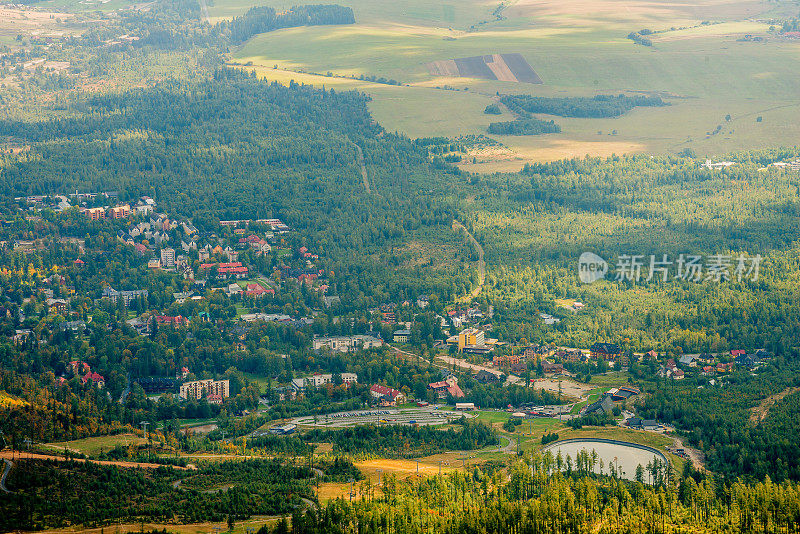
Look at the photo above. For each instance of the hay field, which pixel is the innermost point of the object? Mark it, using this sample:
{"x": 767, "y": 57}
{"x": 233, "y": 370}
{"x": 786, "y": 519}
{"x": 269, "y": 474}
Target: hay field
{"x": 578, "y": 48}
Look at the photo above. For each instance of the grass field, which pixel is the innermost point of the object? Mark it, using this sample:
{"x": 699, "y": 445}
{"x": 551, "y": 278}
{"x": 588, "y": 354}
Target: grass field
{"x": 578, "y": 48}
{"x": 95, "y": 445}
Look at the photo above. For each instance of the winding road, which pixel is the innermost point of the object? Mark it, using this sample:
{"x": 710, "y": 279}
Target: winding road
{"x": 6, "y": 471}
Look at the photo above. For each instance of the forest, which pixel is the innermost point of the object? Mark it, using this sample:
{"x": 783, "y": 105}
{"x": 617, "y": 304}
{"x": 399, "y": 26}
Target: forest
{"x": 537, "y": 494}
{"x": 527, "y": 126}
{"x": 264, "y": 19}
{"x": 92, "y": 494}
{"x": 585, "y": 107}
{"x": 397, "y": 441}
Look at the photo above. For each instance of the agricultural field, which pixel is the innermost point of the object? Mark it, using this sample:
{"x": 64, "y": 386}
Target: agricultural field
{"x": 576, "y": 48}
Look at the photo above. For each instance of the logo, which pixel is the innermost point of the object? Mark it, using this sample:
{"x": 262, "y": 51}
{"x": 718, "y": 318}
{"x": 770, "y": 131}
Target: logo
{"x": 591, "y": 267}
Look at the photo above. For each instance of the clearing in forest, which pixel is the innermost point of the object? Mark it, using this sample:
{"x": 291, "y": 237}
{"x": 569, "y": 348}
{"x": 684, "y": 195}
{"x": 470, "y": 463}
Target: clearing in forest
{"x": 760, "y": 412}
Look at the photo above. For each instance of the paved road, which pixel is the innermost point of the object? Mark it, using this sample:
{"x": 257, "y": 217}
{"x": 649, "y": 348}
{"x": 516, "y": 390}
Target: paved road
{"x": 481, "y": 263}
{"x": 6, "y": 471}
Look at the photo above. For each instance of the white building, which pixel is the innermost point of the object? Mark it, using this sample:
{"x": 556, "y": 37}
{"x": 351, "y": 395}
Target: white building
{"x": 168, "y": 258}
{"x": 347, "y": 343}
{"x": 299, "y": 384}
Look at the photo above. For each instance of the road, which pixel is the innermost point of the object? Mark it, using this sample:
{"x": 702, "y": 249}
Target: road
{"x": 481, "y": 263}
{"x": 6, "y": 471}
{"x": 34, "y": 456}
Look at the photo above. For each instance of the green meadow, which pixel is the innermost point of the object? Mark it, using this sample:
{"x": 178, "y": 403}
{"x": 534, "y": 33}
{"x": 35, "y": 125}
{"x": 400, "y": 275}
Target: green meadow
{"x": 703, "y": 67}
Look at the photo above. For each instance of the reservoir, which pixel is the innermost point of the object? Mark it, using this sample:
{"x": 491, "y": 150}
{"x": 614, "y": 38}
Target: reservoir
{"x": 620, "y": 454}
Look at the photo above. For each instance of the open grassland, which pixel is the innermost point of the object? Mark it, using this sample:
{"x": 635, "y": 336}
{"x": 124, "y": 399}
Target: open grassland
{"x": 578, "y": 48}
{"x": 651, "y": 439}
{"x": 95, "y": 445}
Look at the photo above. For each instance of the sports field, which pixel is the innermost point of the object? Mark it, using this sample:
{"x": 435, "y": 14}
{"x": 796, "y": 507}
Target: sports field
{"x": 703, "y": 67}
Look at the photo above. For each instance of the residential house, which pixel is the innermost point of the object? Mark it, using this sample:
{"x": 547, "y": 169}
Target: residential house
{"x": 485, "y": 376}
{"x": 318, "y": 380}
{"x": 95, "y": 214}
{"x": 605, "y": 405}
{"x": 401, "y": 336}
{"x": 447, "y": 386}
{"x": 387, "y": 395}
{"x": 57, "y": 306}
{"x": 552, "y": 368}
{"x": 605, "y": 351}
{"x": 94, "y": 378}
{"x": 176, "y": 321}
{"x": 257, "y": 290}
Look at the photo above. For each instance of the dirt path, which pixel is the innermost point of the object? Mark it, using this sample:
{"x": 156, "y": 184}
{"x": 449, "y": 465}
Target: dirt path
{"x": 34, "y": 456}
{"x": 697, "y": 457}
{"x": 364, "y": 176}
{"x": 760, "y": 412}
{"x": 481, "y": 263}
{"x": 204, "y": 8}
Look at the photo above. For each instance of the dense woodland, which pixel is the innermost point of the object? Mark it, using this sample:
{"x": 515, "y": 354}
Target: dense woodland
{"x": 529, "y": 126}
{"x": 97, "y": 495}
{"x": 535, "y": 497}
{"x": 264, "y": 19}
{"x": 585, "y": 107}
{"x": 406, "y": 442}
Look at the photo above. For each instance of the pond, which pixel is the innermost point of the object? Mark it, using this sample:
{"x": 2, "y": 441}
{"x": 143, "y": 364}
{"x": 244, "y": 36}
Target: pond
{"x": 623, "y": 455}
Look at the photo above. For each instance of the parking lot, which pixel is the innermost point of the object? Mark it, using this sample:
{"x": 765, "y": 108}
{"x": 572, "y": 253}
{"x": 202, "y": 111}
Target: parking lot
{"x": 387, "y": 416}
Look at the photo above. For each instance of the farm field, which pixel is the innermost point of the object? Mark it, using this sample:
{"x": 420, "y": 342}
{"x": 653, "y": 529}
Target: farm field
{"x": 578, "y": 49}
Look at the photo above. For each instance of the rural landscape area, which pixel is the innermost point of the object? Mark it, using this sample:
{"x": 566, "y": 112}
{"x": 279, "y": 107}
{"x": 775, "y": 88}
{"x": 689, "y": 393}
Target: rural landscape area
{"x": 399, "y": 267}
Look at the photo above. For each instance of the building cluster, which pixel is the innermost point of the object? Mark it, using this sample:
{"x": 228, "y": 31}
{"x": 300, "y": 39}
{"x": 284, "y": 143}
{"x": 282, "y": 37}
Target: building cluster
{"x": 459, "y": 318}
{"x": 84, "y": 372}
{"x": 143, "y": 207}
{"x": 472, "y": 341}
{"x": 125, "y": 295}
{"x": 709, "y": 365}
